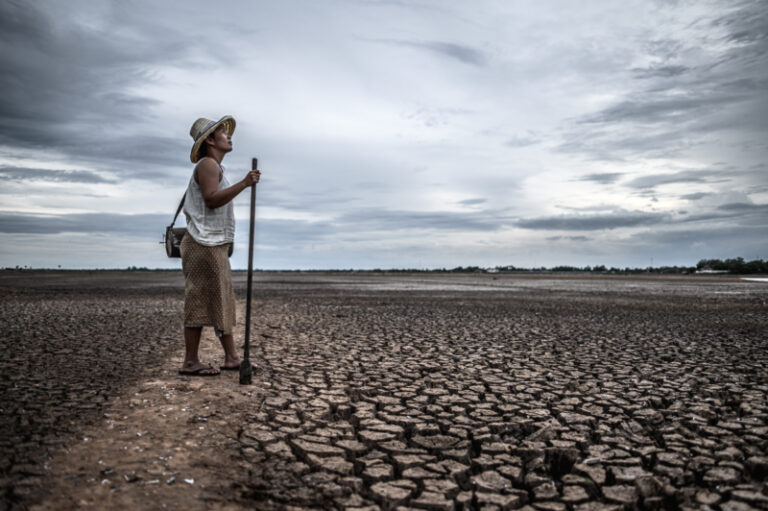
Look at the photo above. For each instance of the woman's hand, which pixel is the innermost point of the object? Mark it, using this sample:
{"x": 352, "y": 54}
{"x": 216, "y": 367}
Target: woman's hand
{"x": 251, "y": 178}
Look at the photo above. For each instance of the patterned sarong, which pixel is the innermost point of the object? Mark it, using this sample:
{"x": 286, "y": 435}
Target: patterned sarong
{"x": 208, "y": 296}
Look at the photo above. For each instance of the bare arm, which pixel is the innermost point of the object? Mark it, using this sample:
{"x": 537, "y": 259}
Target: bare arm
{"x": 208, "y": 175}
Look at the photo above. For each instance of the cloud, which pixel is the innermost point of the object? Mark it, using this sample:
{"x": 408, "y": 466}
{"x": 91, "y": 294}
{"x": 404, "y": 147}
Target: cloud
{"x": 747, "y": 25}
{"x": 704, "y": 82}
{"x": 472, "y": 202}
{"x": 604, "y": 178}
{"x": 662, "y": 107}
{"x": 136, "y": 225}
{"x": 743, "y": 207}
{"x": 375, "y": 220}
{"x": 521, "y": 141}
{"x": 747, "y": 238}
{"x": 352, "y": 223}
{"x": 68, "y": 176}
{"x": 431, "y": 117}
{"x": 688, "y": 176}
{"x": 593, "y": 222}
{"x": 70, "y": 83}
{"x": 694, "y": 196}
{"x": 664, "y": 71}
{"x": 148, "y": 230}
{"x": 735, "y": 214}
{"x": 87, "y": 69}
{"x": 608, "y": 143}
{"x": 462, "y": 53}
{"x": 568, "y": 238}
{"x": 605, "y": 207}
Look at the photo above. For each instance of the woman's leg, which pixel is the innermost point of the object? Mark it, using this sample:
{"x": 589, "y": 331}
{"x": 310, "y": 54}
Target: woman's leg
{"x": 231, "y": 359}
{"x": 192, "y": 344}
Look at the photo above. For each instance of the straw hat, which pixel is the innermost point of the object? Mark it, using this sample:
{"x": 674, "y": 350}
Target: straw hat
{"x": 204, "y": 127}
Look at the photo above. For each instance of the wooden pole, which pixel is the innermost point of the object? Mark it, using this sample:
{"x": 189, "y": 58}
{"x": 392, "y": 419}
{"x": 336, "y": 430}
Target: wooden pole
{"x": 246, "y": 372}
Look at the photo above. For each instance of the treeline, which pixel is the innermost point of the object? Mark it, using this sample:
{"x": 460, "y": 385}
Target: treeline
{"x": 736, "y": 265}
{"x": 602, "y": 269}
{"x": 570, "y": 269}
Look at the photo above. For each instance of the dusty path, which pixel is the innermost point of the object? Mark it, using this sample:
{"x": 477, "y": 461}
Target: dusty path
{"x": 432, "y": 393}
{"x": 170, "y": 443}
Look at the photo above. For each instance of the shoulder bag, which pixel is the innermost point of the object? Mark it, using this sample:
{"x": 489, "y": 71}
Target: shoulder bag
{"x": 173, "y": 235}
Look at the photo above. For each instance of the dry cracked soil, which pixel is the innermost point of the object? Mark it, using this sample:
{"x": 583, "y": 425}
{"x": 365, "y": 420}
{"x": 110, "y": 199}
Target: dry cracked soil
{"x": 375, "y": 391}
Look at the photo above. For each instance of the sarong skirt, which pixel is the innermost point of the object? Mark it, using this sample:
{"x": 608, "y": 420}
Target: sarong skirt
{"x": 209, "y": 299}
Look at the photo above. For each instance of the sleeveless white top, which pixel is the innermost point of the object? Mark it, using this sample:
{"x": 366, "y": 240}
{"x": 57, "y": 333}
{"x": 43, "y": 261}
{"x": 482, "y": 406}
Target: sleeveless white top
{"x": 209, "y": 227}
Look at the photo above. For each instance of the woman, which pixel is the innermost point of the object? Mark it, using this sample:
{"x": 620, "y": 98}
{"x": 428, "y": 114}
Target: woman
{"x": 208, "y": 296}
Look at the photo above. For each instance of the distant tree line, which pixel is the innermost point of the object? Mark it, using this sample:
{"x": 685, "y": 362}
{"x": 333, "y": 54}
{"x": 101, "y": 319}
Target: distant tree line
{"x": 598, "y": 269}
{"x": 736, "y": 265}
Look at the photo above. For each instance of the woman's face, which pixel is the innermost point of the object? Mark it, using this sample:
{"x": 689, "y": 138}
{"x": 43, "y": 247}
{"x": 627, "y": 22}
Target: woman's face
{"x": 221, "y": 140}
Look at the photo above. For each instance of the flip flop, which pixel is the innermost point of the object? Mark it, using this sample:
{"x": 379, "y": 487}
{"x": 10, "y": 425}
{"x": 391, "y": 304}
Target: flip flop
{"x": 236, "y": 368}
{"x": 198, "y": 372}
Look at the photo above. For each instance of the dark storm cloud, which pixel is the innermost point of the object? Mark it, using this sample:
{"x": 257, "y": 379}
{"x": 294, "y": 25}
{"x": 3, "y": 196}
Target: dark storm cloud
{"x": 68, "y": 176}
{"x": 56, "y": 74}
{"x": 604, "y": 178}
{"x": 66, "y": 84}
{"x": 462, "y": 53}
{"x": 593, "y": 222}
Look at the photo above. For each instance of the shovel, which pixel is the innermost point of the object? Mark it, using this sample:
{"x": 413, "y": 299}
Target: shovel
{"x": 246, "y": 372}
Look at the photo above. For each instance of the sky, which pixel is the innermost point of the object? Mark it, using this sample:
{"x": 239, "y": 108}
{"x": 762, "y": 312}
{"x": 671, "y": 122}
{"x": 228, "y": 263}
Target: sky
{"x": 391, "y": 133}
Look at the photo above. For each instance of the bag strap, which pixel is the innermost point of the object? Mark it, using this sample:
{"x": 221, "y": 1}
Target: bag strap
{"x": 178, "y": 210}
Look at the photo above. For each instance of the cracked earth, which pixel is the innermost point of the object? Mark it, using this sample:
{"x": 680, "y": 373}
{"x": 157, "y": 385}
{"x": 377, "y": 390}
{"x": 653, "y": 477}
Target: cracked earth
{"x": 392, "y": 392}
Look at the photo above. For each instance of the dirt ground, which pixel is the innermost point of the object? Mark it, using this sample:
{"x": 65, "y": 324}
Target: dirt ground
{"x": 388, "y": 392}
